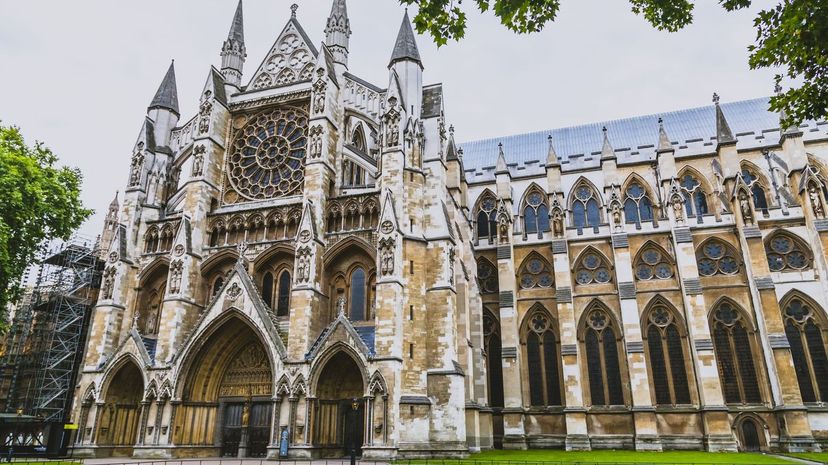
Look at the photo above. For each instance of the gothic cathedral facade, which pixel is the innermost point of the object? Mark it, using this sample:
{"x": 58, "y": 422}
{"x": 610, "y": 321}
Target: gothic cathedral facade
{"x": 312, "y": 261}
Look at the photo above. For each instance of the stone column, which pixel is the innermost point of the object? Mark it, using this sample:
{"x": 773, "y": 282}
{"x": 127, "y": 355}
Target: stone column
{"x": 646, "y": 427}
{"x": 142, "y": 427}
{"x": 718, "y": 435}
{"x": 577, "y": 434}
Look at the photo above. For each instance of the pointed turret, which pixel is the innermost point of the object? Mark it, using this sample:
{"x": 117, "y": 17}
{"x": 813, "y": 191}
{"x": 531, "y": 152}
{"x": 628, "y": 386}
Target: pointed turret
{"x": 607, "y": 152}
{"x": 233, "y": 52}
{"x": 338, "y": 32}
{"x": 501, "y": 167}
{"x": 664, "y": 144}
{"x": 406, "y": 63}
{"x": 723, "y": 133}
{"x": 166, "y": 97}
{"x": 110, "y": 226}
{"x": 406, "y": 46}
{"x": 163, "y": 110}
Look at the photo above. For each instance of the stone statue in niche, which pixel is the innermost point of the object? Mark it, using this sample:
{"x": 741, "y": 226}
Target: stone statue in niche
{"x": 744, "y": 206}
{"x": 204, "y": 113}
{"x": 451, "y": 256}
{"x": 616, "y": 216}
{"x": 319, "y": 88}
{"x": 316, "y": 142}
{"x": 386, "y": 246}
{"x": 176, "y": 270}
{"x": 108, "y": 283}
{"x": 816, "y": 201}
{"x": 137, "y": 165}
{"x": 198, "y": 160}
{"x": 557, "y": 223}
{"x": 678, "y": 211}
{"x": 303, "y": 265}
{"x": 340, "y": 305}
{"x": 152, "y": 319}
{"x": 503, "y": 229}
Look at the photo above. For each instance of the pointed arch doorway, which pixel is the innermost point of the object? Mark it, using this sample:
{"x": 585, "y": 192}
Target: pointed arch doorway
{"x": 340, "y": 413}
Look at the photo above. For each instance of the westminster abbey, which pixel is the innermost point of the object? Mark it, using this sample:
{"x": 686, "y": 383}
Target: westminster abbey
{"x": 312, "y": 265}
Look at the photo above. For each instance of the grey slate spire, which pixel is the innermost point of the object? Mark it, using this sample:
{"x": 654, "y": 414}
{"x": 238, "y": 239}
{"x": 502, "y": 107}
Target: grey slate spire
{"x": 607, "y": 152}
{"x": 167, "y": 95}
{"x": 233, "y": 51}
{"x": 723, "y": 133}
{"x": 338, "y": 31}
{"x": 551, "y": 154}
{"x": 406, "y": 46}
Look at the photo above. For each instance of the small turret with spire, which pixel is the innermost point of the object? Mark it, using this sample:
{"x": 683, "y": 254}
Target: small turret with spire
{"x": 163, "y": 110}
{"x": 110, "y": 226}
{"x": 233, "y": 52}
{"x": 406, "y": 63}
{"x": 338, "y": 32}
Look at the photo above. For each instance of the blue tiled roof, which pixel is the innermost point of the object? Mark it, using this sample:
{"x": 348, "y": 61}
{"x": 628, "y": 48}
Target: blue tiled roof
{"x": 691, "y": 131}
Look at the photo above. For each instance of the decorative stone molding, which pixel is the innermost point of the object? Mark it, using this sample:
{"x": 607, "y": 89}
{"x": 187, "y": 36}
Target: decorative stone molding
{"x": 635, "y": 347}
{"x": 703, "y": 344}
{"x": 683, "y": 235}
{"x": 504, "y": 252}
{"x": 763, "y": 282}
{"x": 620, "y": 241}
{"x": 752, "y": 232}
{"x": 507, "y": 299}
{"x": 509, "y": 352}
{"x": 569, "y": 349}
{"x": 626, "y": 290}
{"x": 692, "y": 286}
{"x": 564, "y": 294}
{"x": 779, "y": 341}
{"x": 559, "y": 246}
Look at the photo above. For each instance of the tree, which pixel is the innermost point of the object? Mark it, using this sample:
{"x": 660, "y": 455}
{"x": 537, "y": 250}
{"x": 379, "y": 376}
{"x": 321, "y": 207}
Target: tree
{"x": 39, "y": 202}
{"x": 792, "y": 36}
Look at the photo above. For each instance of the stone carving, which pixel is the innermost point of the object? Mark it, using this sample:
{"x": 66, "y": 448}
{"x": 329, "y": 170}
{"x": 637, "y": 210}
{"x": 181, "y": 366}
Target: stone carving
{"x": 176, "y": 271}
{"x": 315, "y": 146}
{"x": 392, "y": 124}
{"x": 108, "y": 283}
{"x": 340, "y": 305}
{"x": 205, "y": 110}
{"x": 198, "y": 160}
{"x": 137, "y": 165}
{"x": 319, "y": 89}
{"x": 616, "y": 216}
{"x": 152, "y": 320}
{"x": 503, "y": 229}
{"x": 816, "y": 201}
{"x": 113, "y": 257}
{"x": 678, "y": 211}
{"x": 234, "y": 291}
{"x": 452, "y": 253}
{"x": 179, "y": 250}
{"x": 744, "y": 206}
{"x": 386, "y": 247}
{"x": 303, "y": 265}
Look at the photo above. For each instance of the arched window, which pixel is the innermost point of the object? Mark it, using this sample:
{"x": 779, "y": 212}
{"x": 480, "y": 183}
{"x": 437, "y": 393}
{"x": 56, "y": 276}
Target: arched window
{"x": 535, "y": 273}
{"x": 358, "y": 300}
{"x": 359, "y": 140}
{"x": 543, "y": 362}
{"x": 494, "y": 353}
{"x": 267, "y": 289}
{"x": 487, "y": 277}
{"x": 757, "y": 192}
{"x": 808, "y": 337}
{"x": 732, "y": 341}
{"x": 486, "y": 218}
{"x": 786, "y": 253}
{"x": 653, "y": 263}
{"x": 603, "y": 365}
{"x": 637, "y": 207}
{"x": 695, "y": 199}
{"x": 667, "y": 356}
{"x": 535, "y": 213}
{"x": 715, "y": 257}
{"x": 585, "y": 208}
{"x": 592, "y": 268}
{"x": 353, "y": 175}
{"x": 283, "y": 302}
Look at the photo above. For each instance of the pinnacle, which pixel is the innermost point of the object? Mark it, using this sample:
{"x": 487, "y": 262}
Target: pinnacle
{"x": 237, "y": 27}
{"x": 167, "y": 95}
{"x": 406, "y": 46}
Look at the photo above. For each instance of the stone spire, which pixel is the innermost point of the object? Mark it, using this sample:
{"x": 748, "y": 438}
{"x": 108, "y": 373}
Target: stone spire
{"x": 607, "y": 152}
{"x": 501, "y": 166}
{"x": 338, "y": 31}
{"x": 167, "y": 95}
{"x": 406, "y": 46}
{"x": 551, "y": 155}
{"x": 664, "y": 144}
{"x": 109, "y": 229}
{"x": 113, "y": 208}
{"x": 723, "y": 133}
{"x": 233, "y": 51}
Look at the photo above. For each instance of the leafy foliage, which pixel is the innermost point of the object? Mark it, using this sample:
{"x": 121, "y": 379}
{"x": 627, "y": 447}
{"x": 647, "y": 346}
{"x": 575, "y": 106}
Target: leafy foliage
{"x": 39, "y": 201}
{"x": 793, "y": 36}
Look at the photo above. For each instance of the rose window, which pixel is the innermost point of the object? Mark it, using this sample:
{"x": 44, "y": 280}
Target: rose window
{"x": 716, "y": 258}
{"x": 786, "y": 254}
{"x": 267, "y": 158}
{"x": 592, "y": 270}
{"x": 653, "y": 264}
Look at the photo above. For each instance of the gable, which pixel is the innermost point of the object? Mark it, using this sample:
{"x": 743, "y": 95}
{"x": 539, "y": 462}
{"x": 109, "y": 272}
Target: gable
{"x": 291, "y": 59}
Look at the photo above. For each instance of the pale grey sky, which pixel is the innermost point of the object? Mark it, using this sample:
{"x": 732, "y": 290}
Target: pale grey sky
{"x": 79, "y": 74}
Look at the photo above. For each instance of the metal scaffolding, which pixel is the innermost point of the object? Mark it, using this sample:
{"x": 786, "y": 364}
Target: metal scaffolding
{"x": 44, "y": 349}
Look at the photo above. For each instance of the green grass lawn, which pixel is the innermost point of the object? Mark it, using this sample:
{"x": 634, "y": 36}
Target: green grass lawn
{"x": 821, "y": 457}
{"x": 615, "y": 456}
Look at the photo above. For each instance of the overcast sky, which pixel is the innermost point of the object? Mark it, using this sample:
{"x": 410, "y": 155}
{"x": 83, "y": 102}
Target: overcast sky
{"x": 79, "y": 74}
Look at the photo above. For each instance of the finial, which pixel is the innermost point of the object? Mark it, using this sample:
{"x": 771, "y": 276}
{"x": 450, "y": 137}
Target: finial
{"x": 451, "y": 129}
{"x": 293, "y": 9}
{"x": 715, "y": 98}
{"x": 242, "y": 248}
{"x": 660, "y": 121}
{"x": 604, "y": 129}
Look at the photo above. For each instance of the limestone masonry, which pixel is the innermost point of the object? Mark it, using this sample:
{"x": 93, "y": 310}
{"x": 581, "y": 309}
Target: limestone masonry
{"x": 312, "y": 259}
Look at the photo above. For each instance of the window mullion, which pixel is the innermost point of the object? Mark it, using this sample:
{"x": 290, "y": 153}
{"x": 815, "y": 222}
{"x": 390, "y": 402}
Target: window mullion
{"x": 806, "y": 349}
{"x": 665, "y": 349}
{"x": 737, "y": 366}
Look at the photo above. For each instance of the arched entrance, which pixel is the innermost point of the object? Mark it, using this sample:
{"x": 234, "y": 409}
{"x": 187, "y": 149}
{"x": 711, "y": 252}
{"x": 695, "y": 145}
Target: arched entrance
{"x": 121, "y": 413}
{"x": 751, "y": 441}
{"x": 341, "y": 410}
{"x": 226, "y": 404}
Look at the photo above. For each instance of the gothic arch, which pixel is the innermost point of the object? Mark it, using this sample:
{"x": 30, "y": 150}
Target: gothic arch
{"x": 806, "y": 328}
{"x": 819, "y": 312}
{"x": 738, "y": 353}
{"x": 748, "y": 317}
{"x": 226, "y": 255}
{"x": 759, "y": 172}
{"x": 667, "y": 349}
{"x": 321, "y": 362}
{"x": 535, "y": 272}
{"x": 377, "y": 384}
{"x": 597, "y": 304}
{"x": 263, "y": 258}
{"x": 157, "y": 264}
{"x": 639, "y": 205}
{"x": 703, "y": 181}
{"x": 653, "y": 244}
{"x": 283, "y": 386}
{"x": 485, "y": 208}
{"x": 487, "y": 276}
{"x": 727, "y": 262}
{"x": 118, "y": 419}
{"x": 585, "y": 205}
{"x": 787, "y": 251}
{"x": 222, "y": 335}
{"x": 334, "y": 252}
{"x": 741, "y": 432}
{"x": 90, "y": 394}
{"x": 534, "y": 211}
{"x": 651, "y": 261}
{"x": 600, "y": 336}
{"x": 536, "y": 308}
{"x": 591, "y": 266}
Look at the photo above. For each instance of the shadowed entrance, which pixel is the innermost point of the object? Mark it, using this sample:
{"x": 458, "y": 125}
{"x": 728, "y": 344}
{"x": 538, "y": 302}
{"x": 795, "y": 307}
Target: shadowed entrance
{"x": 226, "y": 406}
{"x": 341, "y": 413}
{"x": 122, "y": 410}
